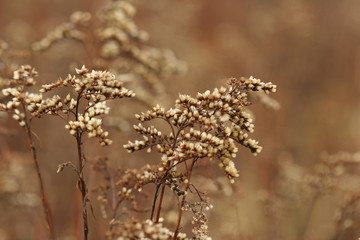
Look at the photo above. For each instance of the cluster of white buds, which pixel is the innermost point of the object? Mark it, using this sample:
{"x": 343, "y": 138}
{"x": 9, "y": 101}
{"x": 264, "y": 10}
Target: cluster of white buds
{"x": 118, "y": 30}
{"x": 92, "y": 126}
{"x": 207, "y": 126}
{"x": 20, "y": 117}
{"x": 14, "y": 102}
{"x": 48, "y": 106}
{"x": 200, "y": 229}
{"x": 147, "y": 229}
{"x": 71, "y": 103}
{"x": 125, "y": 194}
{"x": 117, "y": 16}
{"x": 118, "y": 37}
{"x": 24, "y": 76}
{"x": 254, "y": 84}
{"x": 199, "y": 219}
{"x": 94, "y": 87}
{"x": 137, "y": 178}
{"x": 21, "y": 100}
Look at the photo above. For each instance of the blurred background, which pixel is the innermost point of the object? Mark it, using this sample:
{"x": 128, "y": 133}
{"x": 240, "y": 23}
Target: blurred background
{"x": 309, "y": 49}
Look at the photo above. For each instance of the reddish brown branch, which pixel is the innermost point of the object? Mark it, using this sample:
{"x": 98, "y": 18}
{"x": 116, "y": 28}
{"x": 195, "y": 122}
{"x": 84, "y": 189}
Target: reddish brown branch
{"x": 82, "y": 185}
{"x": 160, "y": 203}
{"x": 47, "y": 212}
{"x": 176, "y": 232}
{"x": 81, "y": 182}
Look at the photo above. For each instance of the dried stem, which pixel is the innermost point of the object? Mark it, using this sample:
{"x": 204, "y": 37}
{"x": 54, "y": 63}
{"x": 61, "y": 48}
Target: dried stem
{"x": 165, "y": 176}
{"x": 154, "y": 202}
{"x": 47, "y": 212}
{"x": 183, "y": 200}
{"x": 160, "y": 203}
{"x": 82, "y": 186}
{"x": 81, "y": 182}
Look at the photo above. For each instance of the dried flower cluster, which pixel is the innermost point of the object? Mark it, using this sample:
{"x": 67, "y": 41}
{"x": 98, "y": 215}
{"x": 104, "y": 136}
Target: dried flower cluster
{"x": 94, "y": 87}
{"x": 23, "y": 105}
{"x": 211, "y": 125}
{"x": 147, "y": 230}
{"x": 21, "y": 100}
{"x": 8, "y": 64}
{"x": 115, "y": 42}
{"x": 124, "y": 183}
{"x": 200, "y": 219}
{"x": 208, "y": 126}
{"x": 113, "y": 192}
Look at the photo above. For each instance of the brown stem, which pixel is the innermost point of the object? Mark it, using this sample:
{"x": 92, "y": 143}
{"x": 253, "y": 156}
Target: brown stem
{"x": 82, "y": 185}
{"x": 160, "y": 203}
{"x": 81, "y": 182}
{"x": 47, "y": 212}
{"x": 176, "y": 232}
{"x": 154, "y": 202}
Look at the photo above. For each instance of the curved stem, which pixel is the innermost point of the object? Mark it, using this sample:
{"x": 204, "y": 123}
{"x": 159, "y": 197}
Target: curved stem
{"x": 176, "y": 232}
{"x": 47, "y": 212}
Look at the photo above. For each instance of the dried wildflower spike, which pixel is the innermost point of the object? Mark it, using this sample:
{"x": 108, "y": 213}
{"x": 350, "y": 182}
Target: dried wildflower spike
{"x": 207, "y": 126}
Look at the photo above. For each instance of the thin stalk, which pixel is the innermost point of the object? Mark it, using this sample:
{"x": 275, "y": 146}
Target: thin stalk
{"x": 160, "y": 203}
{"x": 176, "y": 232}
{"x": 82, "y": 185}
{"x": 164, "y": 177}
{"x": 154, "y": 202}
{"x": 81, "y": 182}
{"x": 47, "y": 212}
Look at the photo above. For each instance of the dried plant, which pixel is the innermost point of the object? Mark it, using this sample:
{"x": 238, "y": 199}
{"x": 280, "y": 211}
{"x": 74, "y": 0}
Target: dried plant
{"x": 143, "y": 230}
{"x": 92, "y": 90}
{"x": 113, "y": 41}
{"x": 200, "y": 130}
{"x": 22, "y": 105}
{"x": 170, "y": 197}
{"x": 208, "y": 126}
